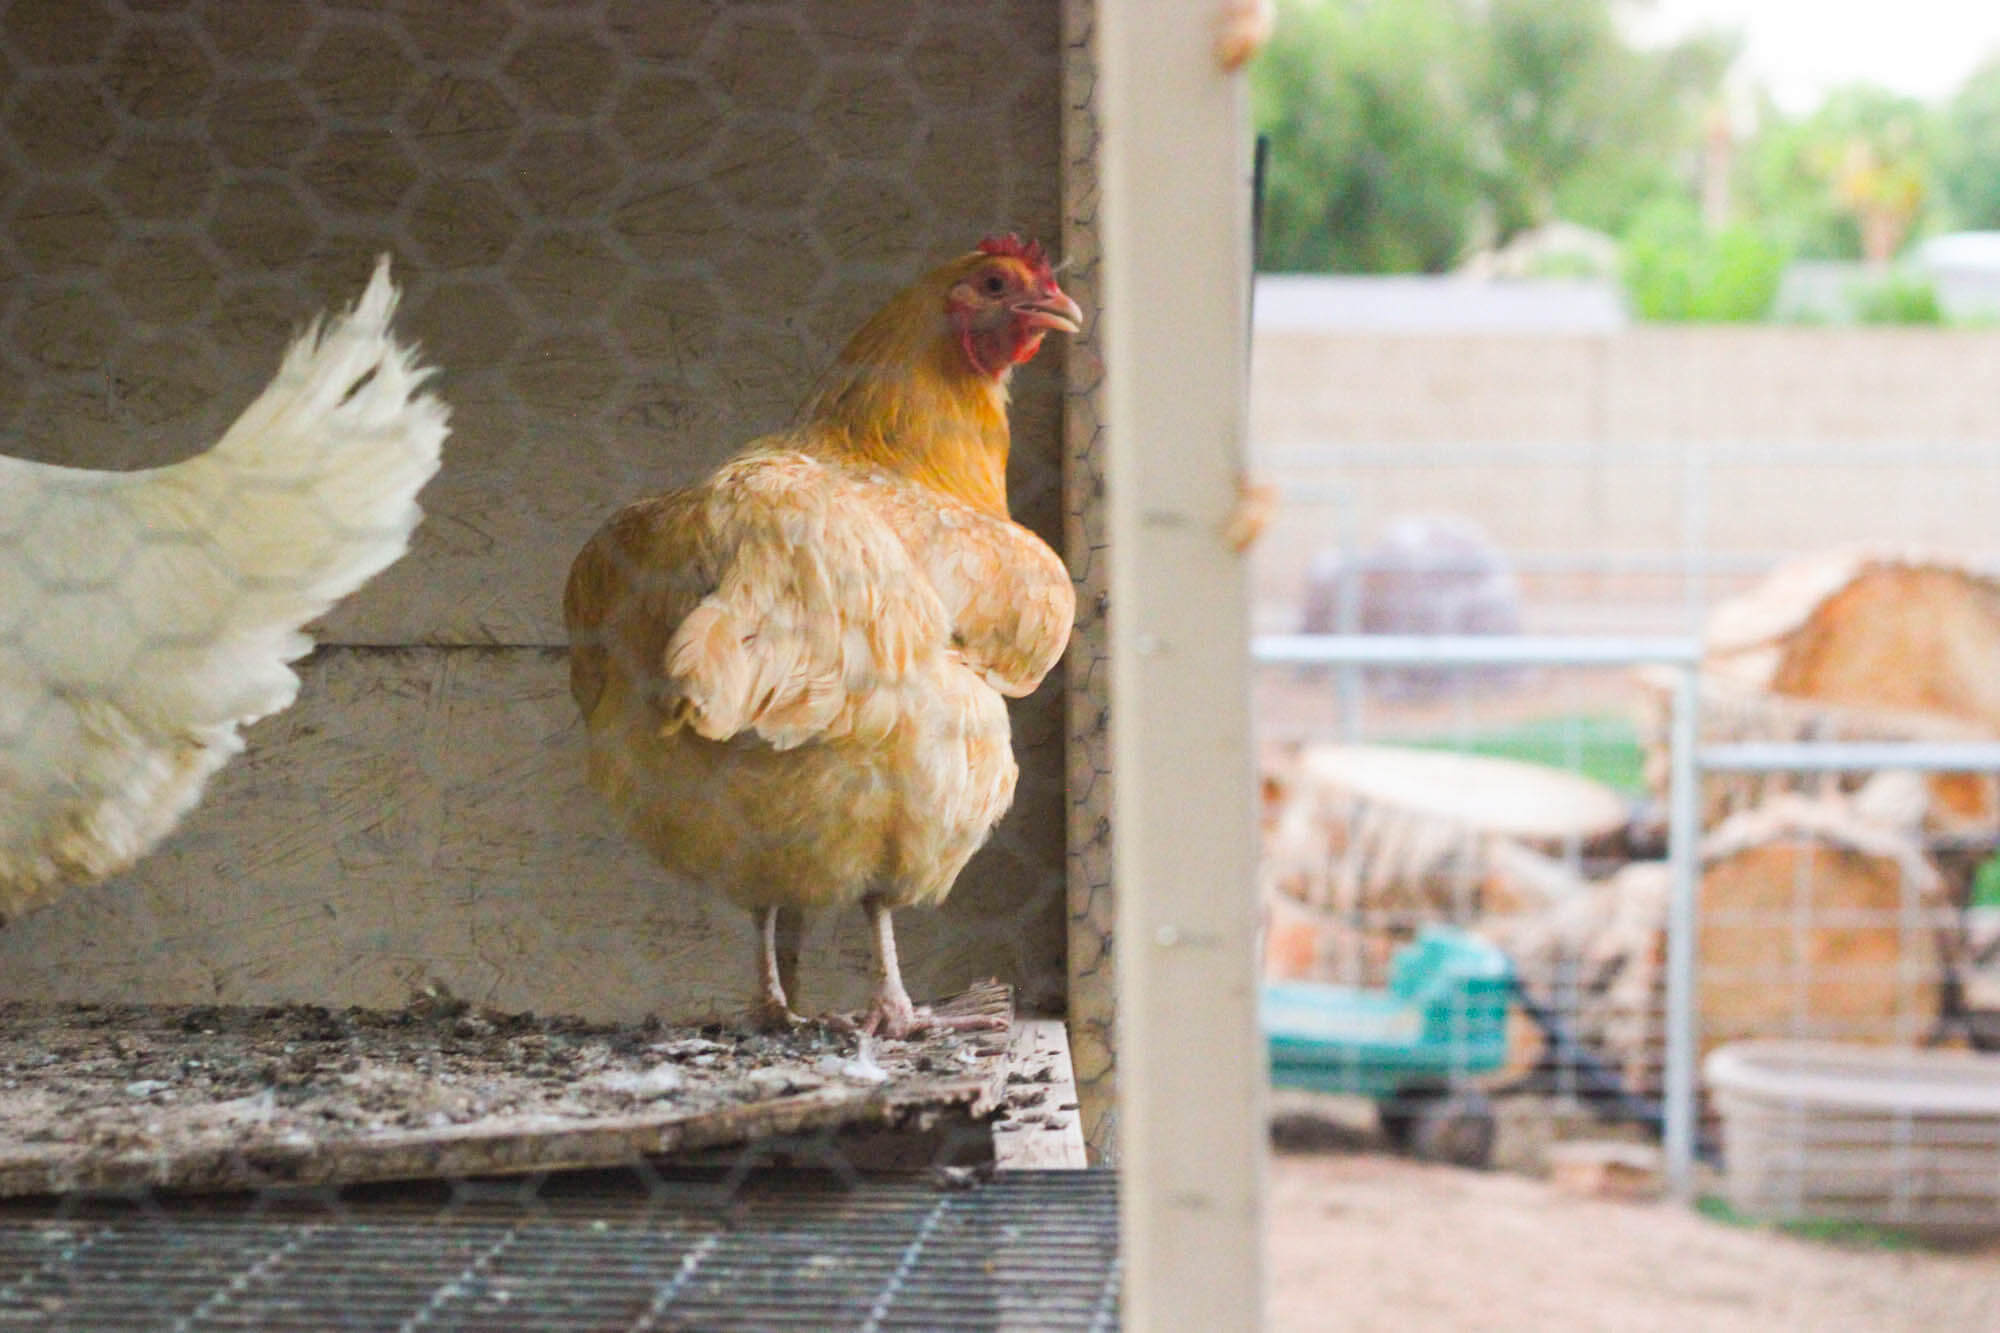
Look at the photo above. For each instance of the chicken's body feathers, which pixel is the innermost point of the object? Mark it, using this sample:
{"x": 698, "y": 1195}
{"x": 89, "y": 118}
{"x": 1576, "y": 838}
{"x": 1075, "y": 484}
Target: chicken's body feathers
{"x": 790, "y": 693}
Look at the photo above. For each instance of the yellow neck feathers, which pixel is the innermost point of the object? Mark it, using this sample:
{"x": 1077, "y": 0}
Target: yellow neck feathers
{"x": 904, "y": 397}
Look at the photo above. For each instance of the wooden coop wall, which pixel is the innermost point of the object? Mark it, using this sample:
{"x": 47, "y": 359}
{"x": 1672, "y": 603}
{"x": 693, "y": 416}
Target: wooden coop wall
{"x": 631, "y": 233}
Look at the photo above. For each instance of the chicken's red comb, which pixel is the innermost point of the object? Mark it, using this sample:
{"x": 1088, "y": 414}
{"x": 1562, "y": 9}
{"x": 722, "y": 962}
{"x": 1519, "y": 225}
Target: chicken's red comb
{"x": 1013, "y": 247}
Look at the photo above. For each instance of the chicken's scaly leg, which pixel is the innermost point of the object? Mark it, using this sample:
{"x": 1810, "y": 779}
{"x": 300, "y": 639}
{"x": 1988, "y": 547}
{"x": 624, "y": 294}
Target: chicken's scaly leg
{"x": 891, "y": 1013}
{"x": 773, "y": 1009}
{"x": 791, "y": 934}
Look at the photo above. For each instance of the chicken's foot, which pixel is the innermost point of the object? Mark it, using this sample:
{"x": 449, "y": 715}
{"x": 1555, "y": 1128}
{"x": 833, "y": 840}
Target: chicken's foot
{"x": 891, "y": 1013}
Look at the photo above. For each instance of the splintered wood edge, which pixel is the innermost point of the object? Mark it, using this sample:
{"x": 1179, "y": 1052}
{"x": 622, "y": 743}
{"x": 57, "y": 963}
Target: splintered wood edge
{"x": 476, "y": 1150}
{"x": 1053, "y": 1138}
{"x": 523, "y": 1144}
{"x": 989, "y": 998}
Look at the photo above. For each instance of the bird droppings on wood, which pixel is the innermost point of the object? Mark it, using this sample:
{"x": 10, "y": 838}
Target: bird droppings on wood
{"x": 118, "y": 1097}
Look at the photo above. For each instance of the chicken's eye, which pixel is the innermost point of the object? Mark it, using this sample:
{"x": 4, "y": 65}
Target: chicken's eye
{"x": 994, "y": 284}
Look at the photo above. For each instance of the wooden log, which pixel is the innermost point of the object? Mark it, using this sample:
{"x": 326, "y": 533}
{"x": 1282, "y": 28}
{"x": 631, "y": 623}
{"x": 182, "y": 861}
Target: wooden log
{"x": 1907, "y": 630}
{"x": 1818, "y": 919}
{"x": 1306, "y": 942}
{"x": 1598, "y": 957}
{"x": 1378, "y": 840}
{"x": 1864, "y": 644}
{"x": 1816, "y": 923}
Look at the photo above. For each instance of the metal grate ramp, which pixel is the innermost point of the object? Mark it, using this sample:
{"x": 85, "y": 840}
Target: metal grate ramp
{"x": 630, "y": 1250}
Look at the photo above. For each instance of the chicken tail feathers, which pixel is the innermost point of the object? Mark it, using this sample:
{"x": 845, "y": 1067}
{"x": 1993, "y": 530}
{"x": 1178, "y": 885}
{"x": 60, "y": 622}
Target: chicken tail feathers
{"x": 342, "y": 439}
{"x": 186, "y": 593}
{"x": 309, "y": 494}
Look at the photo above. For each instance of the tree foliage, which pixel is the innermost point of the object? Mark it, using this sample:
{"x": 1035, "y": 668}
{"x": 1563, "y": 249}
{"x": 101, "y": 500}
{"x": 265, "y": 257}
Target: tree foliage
{"x": 1677, "y": 269}
{"x": 1404, "y": 132}
{"x": 1408, "y": 133}
{"x": 1588, "y": 128}
{"x": 1373, "y": 152}
{"x": 1968, "y": 162}
{"x": 1850, "y": 180}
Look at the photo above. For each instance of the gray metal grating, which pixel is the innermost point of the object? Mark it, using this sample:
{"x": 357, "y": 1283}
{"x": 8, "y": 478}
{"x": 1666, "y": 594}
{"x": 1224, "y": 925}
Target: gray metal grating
{"x": 601, "y": 1250}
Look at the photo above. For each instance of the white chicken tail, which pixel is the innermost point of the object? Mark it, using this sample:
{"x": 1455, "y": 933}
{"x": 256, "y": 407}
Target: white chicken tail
{"x": 306, "y": 497}
{"x": 164, "y": 606}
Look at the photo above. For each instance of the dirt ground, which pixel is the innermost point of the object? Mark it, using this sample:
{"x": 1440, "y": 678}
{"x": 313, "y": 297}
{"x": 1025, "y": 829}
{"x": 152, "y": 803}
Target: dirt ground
{"x": 1363, "y": 1241}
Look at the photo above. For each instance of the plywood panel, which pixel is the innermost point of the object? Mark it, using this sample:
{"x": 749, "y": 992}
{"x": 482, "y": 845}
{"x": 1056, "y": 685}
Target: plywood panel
{"x": 441, "y": 1091}
{"x": 420, "y": 818}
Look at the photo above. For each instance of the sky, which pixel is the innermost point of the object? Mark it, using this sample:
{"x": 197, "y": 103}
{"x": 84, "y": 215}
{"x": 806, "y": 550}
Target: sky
{"x": 1801, "y": 49}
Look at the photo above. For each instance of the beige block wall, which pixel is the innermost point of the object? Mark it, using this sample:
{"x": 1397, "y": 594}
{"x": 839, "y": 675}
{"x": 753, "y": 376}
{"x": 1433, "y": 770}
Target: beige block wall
{"x": 1808, "y": 438}
{"x": 631, "y": 235}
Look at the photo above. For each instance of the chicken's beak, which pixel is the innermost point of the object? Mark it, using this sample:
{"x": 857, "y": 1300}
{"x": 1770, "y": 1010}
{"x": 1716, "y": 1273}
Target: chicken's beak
{"x": 1051, "y": 309}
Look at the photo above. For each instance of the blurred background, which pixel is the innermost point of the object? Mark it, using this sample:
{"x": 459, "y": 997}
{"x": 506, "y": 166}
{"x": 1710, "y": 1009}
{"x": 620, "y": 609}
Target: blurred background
{"x": 1625, "y": 323}
{"x": 1692, "y": 152}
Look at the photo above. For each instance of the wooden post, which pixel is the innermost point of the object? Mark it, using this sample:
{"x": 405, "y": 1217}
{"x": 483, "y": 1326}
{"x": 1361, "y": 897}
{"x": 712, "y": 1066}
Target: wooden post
{"x": 1176, "y": 175}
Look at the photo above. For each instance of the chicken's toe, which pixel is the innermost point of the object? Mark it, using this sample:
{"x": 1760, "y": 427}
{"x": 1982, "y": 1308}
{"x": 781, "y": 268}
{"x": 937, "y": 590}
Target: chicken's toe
{"x": 897, "y": 1022}
{"x": 775, "y": 1016}
{"x": 891, "y": 1015}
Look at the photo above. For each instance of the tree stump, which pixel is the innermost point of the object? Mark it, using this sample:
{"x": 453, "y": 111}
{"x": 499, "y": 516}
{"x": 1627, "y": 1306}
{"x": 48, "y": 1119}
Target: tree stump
{"x": 1859, "y": 644}
{"x": 1816, "y": 920}
{"x": 1371, "y": 842}
{"x": 1816, "y": 923}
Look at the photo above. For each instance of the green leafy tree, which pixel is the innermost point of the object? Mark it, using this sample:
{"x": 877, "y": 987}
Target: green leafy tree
{"x": 1405, "y": 132}
{"x": 1372, "y": 165}
{"x": 1852, "y": 180}
{"x": 1585, "y": 126}
{"x": 1968, "y": 161}
{"x": 1898, "y": 299}
{"x": 1676, "y": 269}
{"x": 1783, "y": 185}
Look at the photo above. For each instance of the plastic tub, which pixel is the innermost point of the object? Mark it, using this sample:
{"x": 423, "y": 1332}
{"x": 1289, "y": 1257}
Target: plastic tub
{"x": 1860, "y": 1133}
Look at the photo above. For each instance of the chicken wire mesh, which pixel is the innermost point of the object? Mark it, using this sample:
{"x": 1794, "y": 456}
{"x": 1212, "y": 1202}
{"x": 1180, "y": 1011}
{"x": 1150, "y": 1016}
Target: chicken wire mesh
{"x": 630, "y": 237}
{"x": 633, "y": 236}
{"x": 1092, "y": 1008}
{"x": 1800, "y": 509}
{"x": 1034, "y": 1250}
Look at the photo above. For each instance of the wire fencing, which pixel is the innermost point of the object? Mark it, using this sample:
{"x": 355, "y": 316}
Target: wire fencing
{"x": 1788, "y": 864}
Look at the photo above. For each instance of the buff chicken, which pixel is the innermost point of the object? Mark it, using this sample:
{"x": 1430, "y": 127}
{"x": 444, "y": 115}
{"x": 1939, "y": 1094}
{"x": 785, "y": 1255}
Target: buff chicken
{"x": 793, "y": 674}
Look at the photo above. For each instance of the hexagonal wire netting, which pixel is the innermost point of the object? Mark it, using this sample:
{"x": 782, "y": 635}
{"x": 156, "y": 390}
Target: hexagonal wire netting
{"x": 630, "y": 236}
